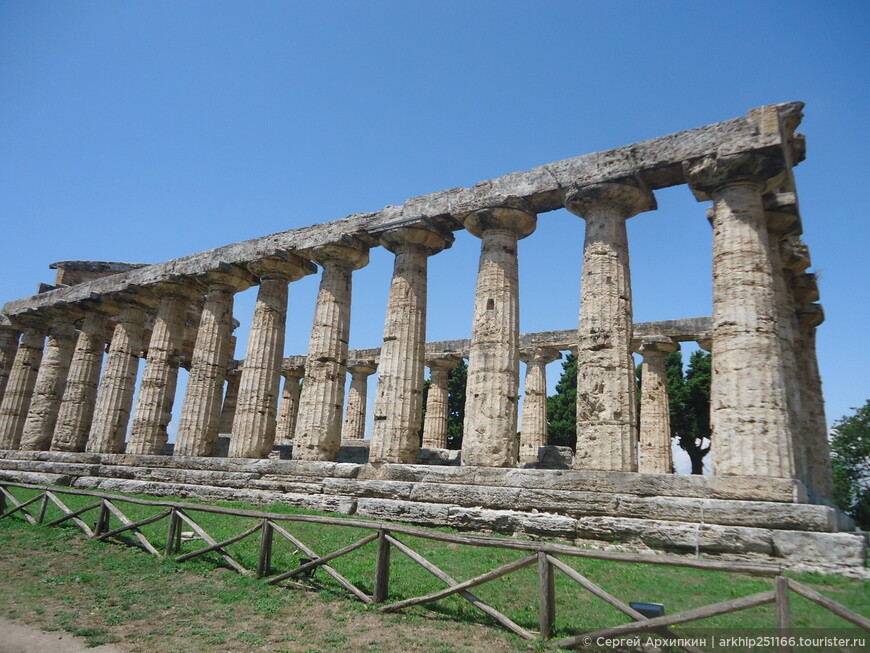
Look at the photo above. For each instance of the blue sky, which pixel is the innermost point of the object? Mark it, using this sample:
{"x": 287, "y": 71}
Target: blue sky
{"x": 146, "y": 131}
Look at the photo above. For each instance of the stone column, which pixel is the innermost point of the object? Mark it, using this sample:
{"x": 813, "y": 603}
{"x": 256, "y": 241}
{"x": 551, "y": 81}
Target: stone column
{"x": 399, "y": 397}
{"x": 606, "y": 424}
{"x": 200, "y": 412}
{"x": 51, "y": 381}
{"x": 656, "y": 456}
{"x": 357, "y": 397}
{"x": 533, "y": 434}
{"x": 435, "y": 421}
{"x": 115, "y": 394}
{"x": 318, "y": 429}
{"x": 749, "y": 403}
{"x": 231, "y": 400}
{"x": 489, "y": 436}
{"x": 22, "y": 379}
{"x": 9, "y": 336}
{"x": 257, "y": 407}
{"x": 817, "y": 448}
{"x": 156, "y": 397}
{"x": 77, "y": 405}
{"x": 288, "y": 410}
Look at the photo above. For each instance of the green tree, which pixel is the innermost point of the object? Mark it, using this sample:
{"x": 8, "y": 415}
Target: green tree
{"x": 850, "y": 459}
{"x": 693, "y": 410}
{"x": 562, "y": 407}
{"x": 456, "y": 380}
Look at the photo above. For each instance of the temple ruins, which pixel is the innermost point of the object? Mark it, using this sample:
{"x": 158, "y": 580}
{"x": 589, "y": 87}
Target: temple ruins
{"x": 70, "y": 356}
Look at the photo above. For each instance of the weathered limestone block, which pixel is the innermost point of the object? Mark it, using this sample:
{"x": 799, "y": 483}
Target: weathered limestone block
{"x": 748, "y": 402}
{"x": 378, "y": 489}
{"x": 156, "y": 396}
{"x": 9, "y": 336}
{"x": 357, "y": 398}
{"x": 399, "y": 399}
{"x": 200, "y": 412}
{"x": 115, "y": 395}
{"x": 288, "y": 409}
{"x": 840, "y": 549}
{"x": 533, "y": 434}
{"x": 50, "y": 381}
{"x": 492, "y": 391}
{"x": 318, "y": 428}
{"x": 655, "y": 415}
{"x": 407, "y": 511}
{"x": 22, "y": 379}
{"x": 257, "y": 407}
{"x": 435, "y": 420}
{"x": 606, "y": 424}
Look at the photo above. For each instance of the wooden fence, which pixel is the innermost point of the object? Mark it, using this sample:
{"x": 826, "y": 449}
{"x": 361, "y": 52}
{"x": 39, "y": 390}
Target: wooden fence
{"x": 543, "y": 554}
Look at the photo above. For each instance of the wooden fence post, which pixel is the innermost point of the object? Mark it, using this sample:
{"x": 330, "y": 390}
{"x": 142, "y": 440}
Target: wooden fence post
{"x": 2, "y": 500}
{"x": 547, "y": 593}
{"x": 173, "y": 533}
{"x": 102, "y": 525}
{"x": 783, "y": 613}
{"x": 264, "y": 562}
{"x": 382, "y": 568}
{"x": 42, "y": 508}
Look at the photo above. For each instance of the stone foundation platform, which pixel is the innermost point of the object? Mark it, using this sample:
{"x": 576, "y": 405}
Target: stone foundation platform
{"x": 726, "y": 517}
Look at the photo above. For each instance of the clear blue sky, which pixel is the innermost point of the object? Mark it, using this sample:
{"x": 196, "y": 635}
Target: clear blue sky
{"x": 146, "y": 131}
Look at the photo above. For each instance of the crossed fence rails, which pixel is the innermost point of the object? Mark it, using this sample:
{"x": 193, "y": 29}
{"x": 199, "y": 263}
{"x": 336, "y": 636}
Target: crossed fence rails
{"x": 542, "y": 554}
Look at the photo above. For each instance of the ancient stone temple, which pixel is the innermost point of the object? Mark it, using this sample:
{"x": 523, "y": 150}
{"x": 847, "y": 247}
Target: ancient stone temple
{"x": 70, "y": 358}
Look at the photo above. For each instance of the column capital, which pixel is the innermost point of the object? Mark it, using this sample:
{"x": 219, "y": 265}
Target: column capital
{"x": 292, "y": 371}
{"x": 810, "y": 315}
{"x": 360, "y": 366}
{"x": 805, "y": 288}
{"x": 708, "y": 174}
{"x": 795, "y": 256}
{"x": 781, "y": 212}
{"x": 227, "y": 277}
{"x": 542, "y": 355}
{"x": 349, "y": 252}
{"x": 179, "y": 286}
{"x": 705, "y": 343}
{"x": 134, "y": 297}
{"x": 657, "y": 346}
{"x": 514, "y": 216}
{"x": 627, "y": 195}
{"x": 33, "y": 322}
{"x": 60, "y": 313}
{"x": 430, "y": 238}
{"x": 282, "y": 266}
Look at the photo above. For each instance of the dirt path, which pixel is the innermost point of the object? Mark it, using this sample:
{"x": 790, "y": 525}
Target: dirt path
{"x": 20, "y": 638}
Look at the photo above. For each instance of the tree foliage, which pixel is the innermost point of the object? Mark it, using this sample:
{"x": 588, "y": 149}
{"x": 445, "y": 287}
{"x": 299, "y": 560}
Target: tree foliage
{"x": 562, "y": 407}
{"x": 850, "y": 459}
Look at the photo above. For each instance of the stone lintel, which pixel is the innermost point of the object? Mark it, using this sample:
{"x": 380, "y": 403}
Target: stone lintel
{"x": 658, "y": 162}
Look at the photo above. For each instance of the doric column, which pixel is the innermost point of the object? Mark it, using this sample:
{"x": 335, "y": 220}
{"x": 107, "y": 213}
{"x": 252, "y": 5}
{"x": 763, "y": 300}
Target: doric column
{"x": 22, "y": 379}
{"x": 231, "y": 400}
{"x": 399, "y": 397}
{"x": 606, "y": 424}
{"x": 318, "y": 429}
{"x": 9, "y": 336}
{"x": 816, "y": 446}
{"x": 156, "y": 397}
{"x": 77, "y": 405}
{"x": 51, "y": 381}
{"x": 115, "y": 394}
{"x": 749, "y": 403}
{"x": 357, "y": 397}
{"x": 435, "y": 421}
{"x": 200, "y": 412}
{"x": 489, "y": 435}
{"x": 655, "y": 414}
{"x": 288, "y": 410}
{"x": 257, "y": 407}
{"x": 533, "y": 434}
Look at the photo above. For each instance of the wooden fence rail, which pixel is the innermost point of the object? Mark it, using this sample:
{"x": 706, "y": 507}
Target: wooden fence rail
{"x": 386, "y": 535}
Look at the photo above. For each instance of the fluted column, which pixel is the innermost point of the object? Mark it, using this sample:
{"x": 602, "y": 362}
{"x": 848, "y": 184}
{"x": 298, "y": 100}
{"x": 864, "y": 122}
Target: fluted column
{"x": 489, "y": 435}
{"x": 118, "y": 383}
{"x": 606, "y": 424}
{"x": 200, "y": 412}
{"x": 156, "y": 397}
{"x": 288, "y": 410}
{"x": 257, "y": 407}
{"x": 656, "y": 456}
{"x": 9, "y": 337}
{"x": 318, "y": 428}
{"x": 399, "y": 396}
{"x": 77, "y": 405}
{"x": 435, "y": 421}
{"x": 231, "y": 400}
{"x": 357, "y": 397}
{"x": 533, "y": 434}
{"x": 749, "y": 403}
{"x": 50, "y": 381}
{"x": 22, "y": 379}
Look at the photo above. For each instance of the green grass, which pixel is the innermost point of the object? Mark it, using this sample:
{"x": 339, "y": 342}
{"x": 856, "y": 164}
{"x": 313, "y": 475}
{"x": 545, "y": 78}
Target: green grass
{"x": 212, "y": 594}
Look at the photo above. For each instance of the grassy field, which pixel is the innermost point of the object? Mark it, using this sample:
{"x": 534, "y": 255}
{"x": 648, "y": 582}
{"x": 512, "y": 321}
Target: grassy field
{"x": 58, "y": 578}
